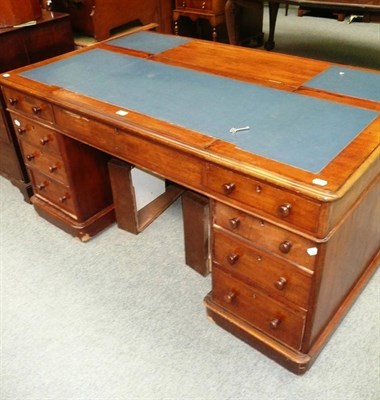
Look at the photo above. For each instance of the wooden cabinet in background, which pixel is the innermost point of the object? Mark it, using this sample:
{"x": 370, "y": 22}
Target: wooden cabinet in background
{"x": 18, "y": 12}
{"x": 97, "y": 18}
{"x": 210, "y": 10}
{"x": 50, "y": 36}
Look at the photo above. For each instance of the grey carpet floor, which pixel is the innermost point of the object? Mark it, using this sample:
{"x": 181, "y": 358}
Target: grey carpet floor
{"x": 121, "y": 317}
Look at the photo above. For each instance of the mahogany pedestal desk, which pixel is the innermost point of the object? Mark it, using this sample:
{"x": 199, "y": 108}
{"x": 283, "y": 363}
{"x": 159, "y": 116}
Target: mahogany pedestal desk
{"x": 293, "y": 196}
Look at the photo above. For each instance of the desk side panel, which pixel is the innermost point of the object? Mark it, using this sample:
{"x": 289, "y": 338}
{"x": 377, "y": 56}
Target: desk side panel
{"x": 346, "y": 257}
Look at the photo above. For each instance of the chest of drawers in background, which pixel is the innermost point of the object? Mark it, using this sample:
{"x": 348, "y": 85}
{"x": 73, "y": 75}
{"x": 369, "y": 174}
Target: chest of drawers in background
{"x": 210, "y": 10}
{"x": 69, "y": 179}
{"x": 50, "y": 36}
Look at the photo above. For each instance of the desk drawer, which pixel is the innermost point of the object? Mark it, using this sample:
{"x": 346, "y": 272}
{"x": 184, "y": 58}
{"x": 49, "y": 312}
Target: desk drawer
{"x": 18, "y": 101}
{"x": 266, "y": 236}
{"x": 261, "y": 197}
{"x": 258, "y": 309}
{"x": 54, "y": 192}
{"x": 49, "y": 165}
{"x": 279, "y": 279}
{"x": 158, "y": 158}
{"x": 40, "y": 136}
{"x": 195, "y": 4}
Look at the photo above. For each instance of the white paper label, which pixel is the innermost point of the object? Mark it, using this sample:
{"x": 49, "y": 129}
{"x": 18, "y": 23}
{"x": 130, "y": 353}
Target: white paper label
{"x": 122, "y": 113}
{"x": 320, "y": 182}
{"x": 312, "y": 251}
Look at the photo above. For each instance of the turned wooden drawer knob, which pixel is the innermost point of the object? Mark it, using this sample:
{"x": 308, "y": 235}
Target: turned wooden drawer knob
{"x": 281, "y": 283}
{"x": 21, "y": 131}
{"x": 285, "y": 246}
{"x": 36, "y": 110}
{"x": 44, "y": 141}
{"x": 52, "y": 168}
{"x": 229, "y": 297}
{"x": 234, "y": 223}
{"x": 284, "y": 210}
{"x": 233, "y": 258}
{"x": 274, "y": 324}
{"x": 41, "y": 186}
{"x": 62, "y": 199}
{"x": 183, "y": 4}
{"x": 203, "y": 5}
{"x": 13, "y": 101}
{"x": 30, "y": 157}
{"x": 228, "y": 188}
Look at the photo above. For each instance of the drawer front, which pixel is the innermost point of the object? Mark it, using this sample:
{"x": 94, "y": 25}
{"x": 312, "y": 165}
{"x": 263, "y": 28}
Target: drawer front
{"x": 50, "y": 165}
{"x": 279, "y": 279}
{"x": 266, "y": 236}
{"x": 263, "y": 198}
{"x": 18, "y": 101}
{"x": 157, "y": 158}
{"x": 257, "y": 309}
{"x": 54, "y": 192}
{"x": 43, "y": 138}
{"x": 195, "y": 4}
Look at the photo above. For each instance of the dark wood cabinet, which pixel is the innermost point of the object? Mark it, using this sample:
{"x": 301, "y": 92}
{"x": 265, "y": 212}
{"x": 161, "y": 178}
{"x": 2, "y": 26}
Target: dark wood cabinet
{"x": 51, "y": 35}
{"x": 97, "y": 18}
{"x": 18, "y": 12}
{"x": 210, "y": 10}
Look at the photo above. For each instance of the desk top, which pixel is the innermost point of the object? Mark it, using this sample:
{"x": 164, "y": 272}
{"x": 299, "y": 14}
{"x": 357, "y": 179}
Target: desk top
{"x": 213, "y": 105}
{"x": 290, "y": 133}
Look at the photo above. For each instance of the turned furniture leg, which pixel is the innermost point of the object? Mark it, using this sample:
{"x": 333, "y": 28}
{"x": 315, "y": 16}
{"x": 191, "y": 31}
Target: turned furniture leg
{"x": 273, "y": 11}
{"x": 176, "y": 27}
{"x": 231, "y": 9}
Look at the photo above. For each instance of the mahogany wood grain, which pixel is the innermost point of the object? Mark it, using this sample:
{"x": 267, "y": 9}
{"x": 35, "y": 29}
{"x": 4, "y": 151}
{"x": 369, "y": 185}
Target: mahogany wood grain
{"x": 265, "y": 235}
{"x": 278, "y": 278}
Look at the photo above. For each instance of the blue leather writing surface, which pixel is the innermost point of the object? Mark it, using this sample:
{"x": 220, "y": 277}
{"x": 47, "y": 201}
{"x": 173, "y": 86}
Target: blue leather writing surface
{"x": 301, "y": 131}
{"x": 149, "y": 42}
{"x": 348, "y": 81}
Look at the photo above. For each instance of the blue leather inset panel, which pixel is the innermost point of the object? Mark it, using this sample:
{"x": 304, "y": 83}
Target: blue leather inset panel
{"x": 348, "y": 81}
{"x": 301, "y": 131}
{"x": 148, "y": 42}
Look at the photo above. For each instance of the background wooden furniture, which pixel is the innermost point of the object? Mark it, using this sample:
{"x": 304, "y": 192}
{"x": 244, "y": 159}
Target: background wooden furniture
{"x": 244, "y": 21}
{"x": 210, "y": 10}
{"x": 98, "y": 17}
{"x": 11, "y": 161}
{"x": 291, "y": 247}
{"x": 50, "y": 36}
{"x": 18, "y": 12}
